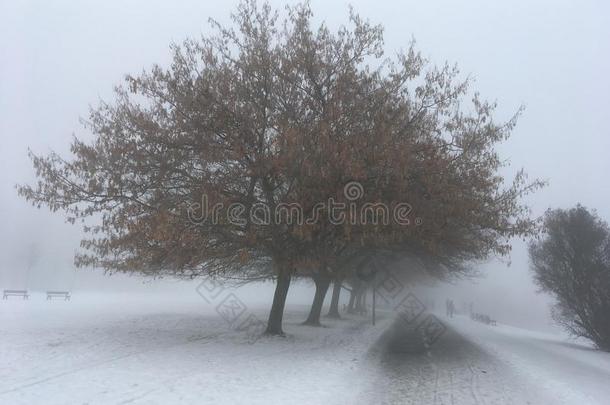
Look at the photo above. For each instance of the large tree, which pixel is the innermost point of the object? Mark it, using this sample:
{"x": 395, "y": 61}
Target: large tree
{"x": 572, "y": 262}
{"x": 273, "y": 113}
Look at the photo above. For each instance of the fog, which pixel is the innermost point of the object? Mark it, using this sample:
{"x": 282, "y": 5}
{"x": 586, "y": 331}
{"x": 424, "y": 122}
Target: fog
{"x": 57, "y": 58}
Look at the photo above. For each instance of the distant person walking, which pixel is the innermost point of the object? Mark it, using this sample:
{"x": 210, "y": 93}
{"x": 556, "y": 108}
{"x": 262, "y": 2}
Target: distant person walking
{"x": 450, "y": 308}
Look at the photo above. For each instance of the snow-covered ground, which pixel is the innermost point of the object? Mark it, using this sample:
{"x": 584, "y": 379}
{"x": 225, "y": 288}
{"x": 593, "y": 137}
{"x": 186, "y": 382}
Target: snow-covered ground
{"x": 159, "y": 349}
{"x": 473, "y": 363}
{"x": 120, "y": 349}
{"x": 570, "y": 371}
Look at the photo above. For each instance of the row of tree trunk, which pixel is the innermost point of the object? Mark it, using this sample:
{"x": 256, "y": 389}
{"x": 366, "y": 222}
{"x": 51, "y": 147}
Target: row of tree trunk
{"x": 357, "y": 301}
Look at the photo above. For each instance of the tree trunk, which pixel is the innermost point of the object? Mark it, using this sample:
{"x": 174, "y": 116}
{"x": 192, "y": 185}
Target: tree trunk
{"x": 361, "y": 301}
{"x": 274, "y": 325}
{"x": 334, "y": 302}
{"x": 322, "y": 284}
{"x": 352, "y": 301}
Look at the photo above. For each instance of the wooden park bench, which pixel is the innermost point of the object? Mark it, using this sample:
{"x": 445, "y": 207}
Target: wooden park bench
{"x": 15, "y": 293}
{"x": 58, "y": 294}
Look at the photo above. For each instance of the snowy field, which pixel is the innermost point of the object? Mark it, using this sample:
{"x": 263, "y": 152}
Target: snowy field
{"x": 154, "y": 349}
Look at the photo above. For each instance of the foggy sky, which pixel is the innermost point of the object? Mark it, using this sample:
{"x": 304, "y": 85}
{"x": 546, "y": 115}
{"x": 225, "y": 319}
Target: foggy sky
{"x": 58, "y": 57}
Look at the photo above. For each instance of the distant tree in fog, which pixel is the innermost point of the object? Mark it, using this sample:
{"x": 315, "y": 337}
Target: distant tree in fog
{"x": 571, "y": 261}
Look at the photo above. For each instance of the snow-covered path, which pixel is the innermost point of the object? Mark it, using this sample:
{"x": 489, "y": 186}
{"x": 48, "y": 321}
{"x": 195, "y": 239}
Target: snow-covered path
{"x": 477, "y": 364}
{"x": 571, "y": 371}
{"x": 452, "y": 371}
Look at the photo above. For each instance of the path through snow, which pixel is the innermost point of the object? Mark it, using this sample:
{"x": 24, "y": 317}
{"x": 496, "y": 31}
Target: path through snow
{"x": 478, "y": 364}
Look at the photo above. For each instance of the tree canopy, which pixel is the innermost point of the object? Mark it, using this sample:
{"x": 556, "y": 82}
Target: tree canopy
{"x": 273, "y": 113}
